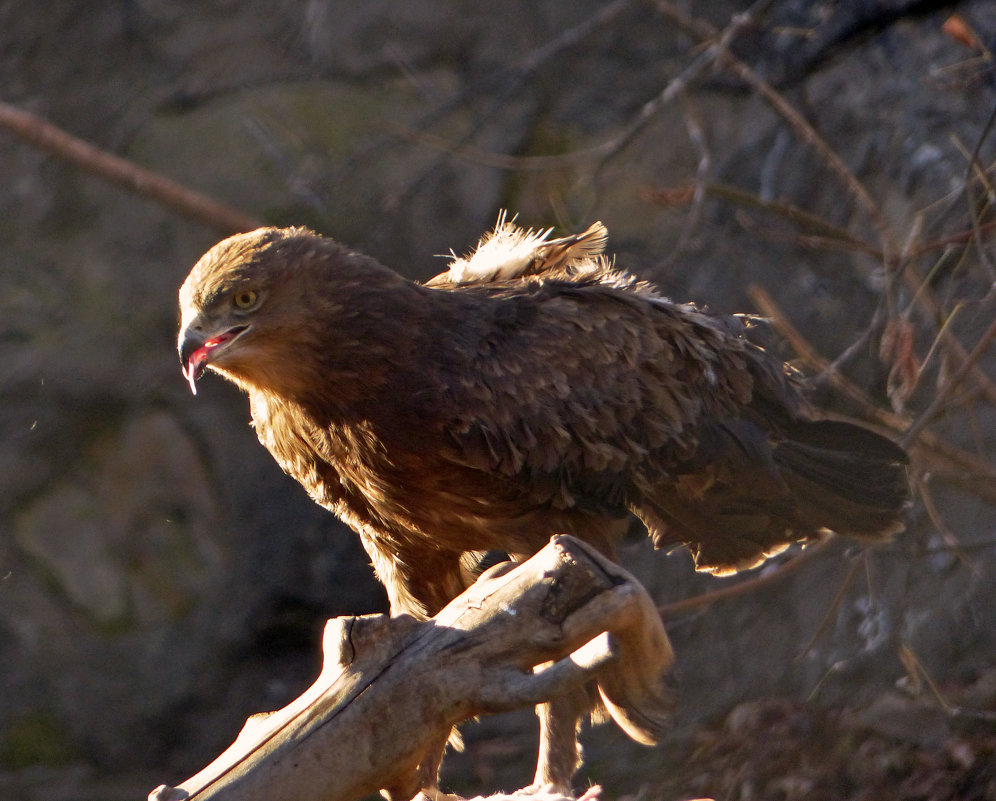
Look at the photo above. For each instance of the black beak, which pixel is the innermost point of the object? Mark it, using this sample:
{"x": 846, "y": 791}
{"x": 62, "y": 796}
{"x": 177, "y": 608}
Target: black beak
{"x": 196, "y": 351}
{"x": 189, "y": 342}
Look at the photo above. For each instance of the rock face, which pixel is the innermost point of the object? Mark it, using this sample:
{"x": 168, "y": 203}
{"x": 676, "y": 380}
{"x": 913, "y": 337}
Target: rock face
{"x": 160, "y": 579}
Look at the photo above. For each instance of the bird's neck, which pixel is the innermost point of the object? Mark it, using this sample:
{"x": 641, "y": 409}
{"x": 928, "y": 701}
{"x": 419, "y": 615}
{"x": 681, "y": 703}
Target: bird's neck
{"x": 360, "y": 340}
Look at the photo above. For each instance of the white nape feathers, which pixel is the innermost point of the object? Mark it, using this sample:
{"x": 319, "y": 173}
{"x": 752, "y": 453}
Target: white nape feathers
{"x": 510, "y": 252}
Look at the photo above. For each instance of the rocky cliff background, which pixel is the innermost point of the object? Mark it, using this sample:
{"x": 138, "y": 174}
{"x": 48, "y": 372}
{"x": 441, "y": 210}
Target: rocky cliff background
{"x": 160, "y": 579}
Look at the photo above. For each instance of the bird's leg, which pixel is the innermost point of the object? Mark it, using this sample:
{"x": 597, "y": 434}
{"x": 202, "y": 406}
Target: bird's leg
{"x": 426, "y": 778}
{"x": 559, "y": 753}
{"x": 428, "y": 768}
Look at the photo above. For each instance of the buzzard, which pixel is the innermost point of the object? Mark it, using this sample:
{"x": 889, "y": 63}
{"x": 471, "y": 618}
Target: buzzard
{"x": 532, "y": 389}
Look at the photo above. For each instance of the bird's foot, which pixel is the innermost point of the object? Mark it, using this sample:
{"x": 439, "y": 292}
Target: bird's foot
{"x": 435, "y": 794}
{"x": 549, "y": 791}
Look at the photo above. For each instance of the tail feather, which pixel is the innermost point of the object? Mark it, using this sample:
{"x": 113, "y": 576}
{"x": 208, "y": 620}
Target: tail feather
{"x": 757, "y": 493}
{"x": 848, "y": 478}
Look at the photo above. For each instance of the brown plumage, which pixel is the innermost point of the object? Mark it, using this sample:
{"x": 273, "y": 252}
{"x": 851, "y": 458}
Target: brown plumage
{"x": 532, "y": 389}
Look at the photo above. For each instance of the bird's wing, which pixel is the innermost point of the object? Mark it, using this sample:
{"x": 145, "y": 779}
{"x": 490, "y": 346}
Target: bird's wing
{"x": 588, "y": 389}
{"x": 601, "y": 395}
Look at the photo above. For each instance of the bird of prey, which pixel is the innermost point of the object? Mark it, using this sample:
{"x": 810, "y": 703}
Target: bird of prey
{"x": 530, "y": 390}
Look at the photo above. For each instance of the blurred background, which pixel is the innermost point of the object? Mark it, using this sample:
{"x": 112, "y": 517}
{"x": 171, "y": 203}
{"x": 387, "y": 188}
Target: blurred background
{"x": 160, "y": 579}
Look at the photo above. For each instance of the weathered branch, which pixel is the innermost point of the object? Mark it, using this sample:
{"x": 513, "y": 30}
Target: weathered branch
{"x": 391, "y": 688}
{"x": 194, "y": 205}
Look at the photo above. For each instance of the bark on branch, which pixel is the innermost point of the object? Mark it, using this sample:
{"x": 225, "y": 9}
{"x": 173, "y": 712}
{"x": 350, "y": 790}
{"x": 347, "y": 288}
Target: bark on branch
{"x": 391, "y": 688}
{"x": 194, "y": 205}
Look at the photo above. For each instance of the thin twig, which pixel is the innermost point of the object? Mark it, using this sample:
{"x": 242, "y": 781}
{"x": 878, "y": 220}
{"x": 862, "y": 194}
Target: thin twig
{"x": 952, "y": 383}
{"x": 785, "y": 569}
{"x": 809, "y": 135}
{"x": 932, "y": 311}
{"x": 941, "y": 458}
{"x": 947, "y": 536}
{"x": 825, "y": 234}
{"x": 194, "y": 205}
{"x": 509, "y": 82}
{"x": 610, "y": 146}
{"x": 958, "y": 238}
{"x": 834, "y": 607}
{"x": 766, "y": 305}
{"x": 798, "y": 123}
{"x": 981, "y": 545}
{"x": 975, "y": 213}
{"x": 838, "y": 239}
{"x": 836, "y": 367}
{"x": 918, "y": 674}
{"x": 697, "y": 137}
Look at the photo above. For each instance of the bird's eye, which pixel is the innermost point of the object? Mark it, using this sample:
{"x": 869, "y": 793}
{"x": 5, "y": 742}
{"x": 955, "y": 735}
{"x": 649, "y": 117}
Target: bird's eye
{"x": 245, "y": 299}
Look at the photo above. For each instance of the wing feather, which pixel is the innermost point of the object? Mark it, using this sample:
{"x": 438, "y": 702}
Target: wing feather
{"x": 604, "y": 397}
{"x": 509, "y": 253}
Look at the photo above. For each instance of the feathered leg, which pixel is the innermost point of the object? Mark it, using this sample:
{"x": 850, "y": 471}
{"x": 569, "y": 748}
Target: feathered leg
{"x": 428, "y": 775}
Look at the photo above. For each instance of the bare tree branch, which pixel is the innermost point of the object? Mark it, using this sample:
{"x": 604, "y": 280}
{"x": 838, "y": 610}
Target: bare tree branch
{"x": 193, "y": 205}
{"x": 391, "y": 688}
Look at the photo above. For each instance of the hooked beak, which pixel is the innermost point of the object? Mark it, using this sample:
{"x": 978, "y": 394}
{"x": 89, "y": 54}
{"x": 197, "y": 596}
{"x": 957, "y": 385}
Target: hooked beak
{"x": 196, "y": 352}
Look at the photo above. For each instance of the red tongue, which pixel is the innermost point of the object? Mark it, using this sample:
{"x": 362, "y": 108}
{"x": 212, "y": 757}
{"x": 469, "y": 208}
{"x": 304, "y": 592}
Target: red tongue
{"x": 195, "y": 365}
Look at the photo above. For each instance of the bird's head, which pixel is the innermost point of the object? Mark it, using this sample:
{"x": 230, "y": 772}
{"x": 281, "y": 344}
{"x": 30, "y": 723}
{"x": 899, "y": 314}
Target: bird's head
{"x": 224, "y": 303}
{"x": 275, "y": 308}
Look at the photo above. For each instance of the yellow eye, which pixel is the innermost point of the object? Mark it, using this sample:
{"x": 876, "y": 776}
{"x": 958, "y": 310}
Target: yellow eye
{"x": 245, "y": 299}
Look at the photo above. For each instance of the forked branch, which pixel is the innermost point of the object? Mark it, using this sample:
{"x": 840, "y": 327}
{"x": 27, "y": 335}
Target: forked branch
{"x": 391, "y": 688}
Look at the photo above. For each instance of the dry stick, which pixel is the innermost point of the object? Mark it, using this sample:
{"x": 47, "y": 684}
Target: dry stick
{"x": 511, "y": 80}
{"x": 928, "y": 414}
{"x": 933, "y": 452}
{"x": 926, "y": 299}
{"x": 973, "y": 209}
{"x": 799, "y": 124}
{"x": 918, "y": 674}
{"x": 766, "y": 305}
{"x": 947, "y": 536}
{"x": 698, "y": 140}
{"x": 785, "y": 569}
{"x": 809, "y": 135}
{"x": 839, "y": 239}
{"x": 194, "y": 205}
{"x": 608, "y": 147}
{"x": 824, "y": 235}
{"x": 923, "y": 295}
{"x": 980, "y": 545}
{"x": 834, "y": 607}
{"x": 959, "y": 238}
{"x": 391, "y": 688}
